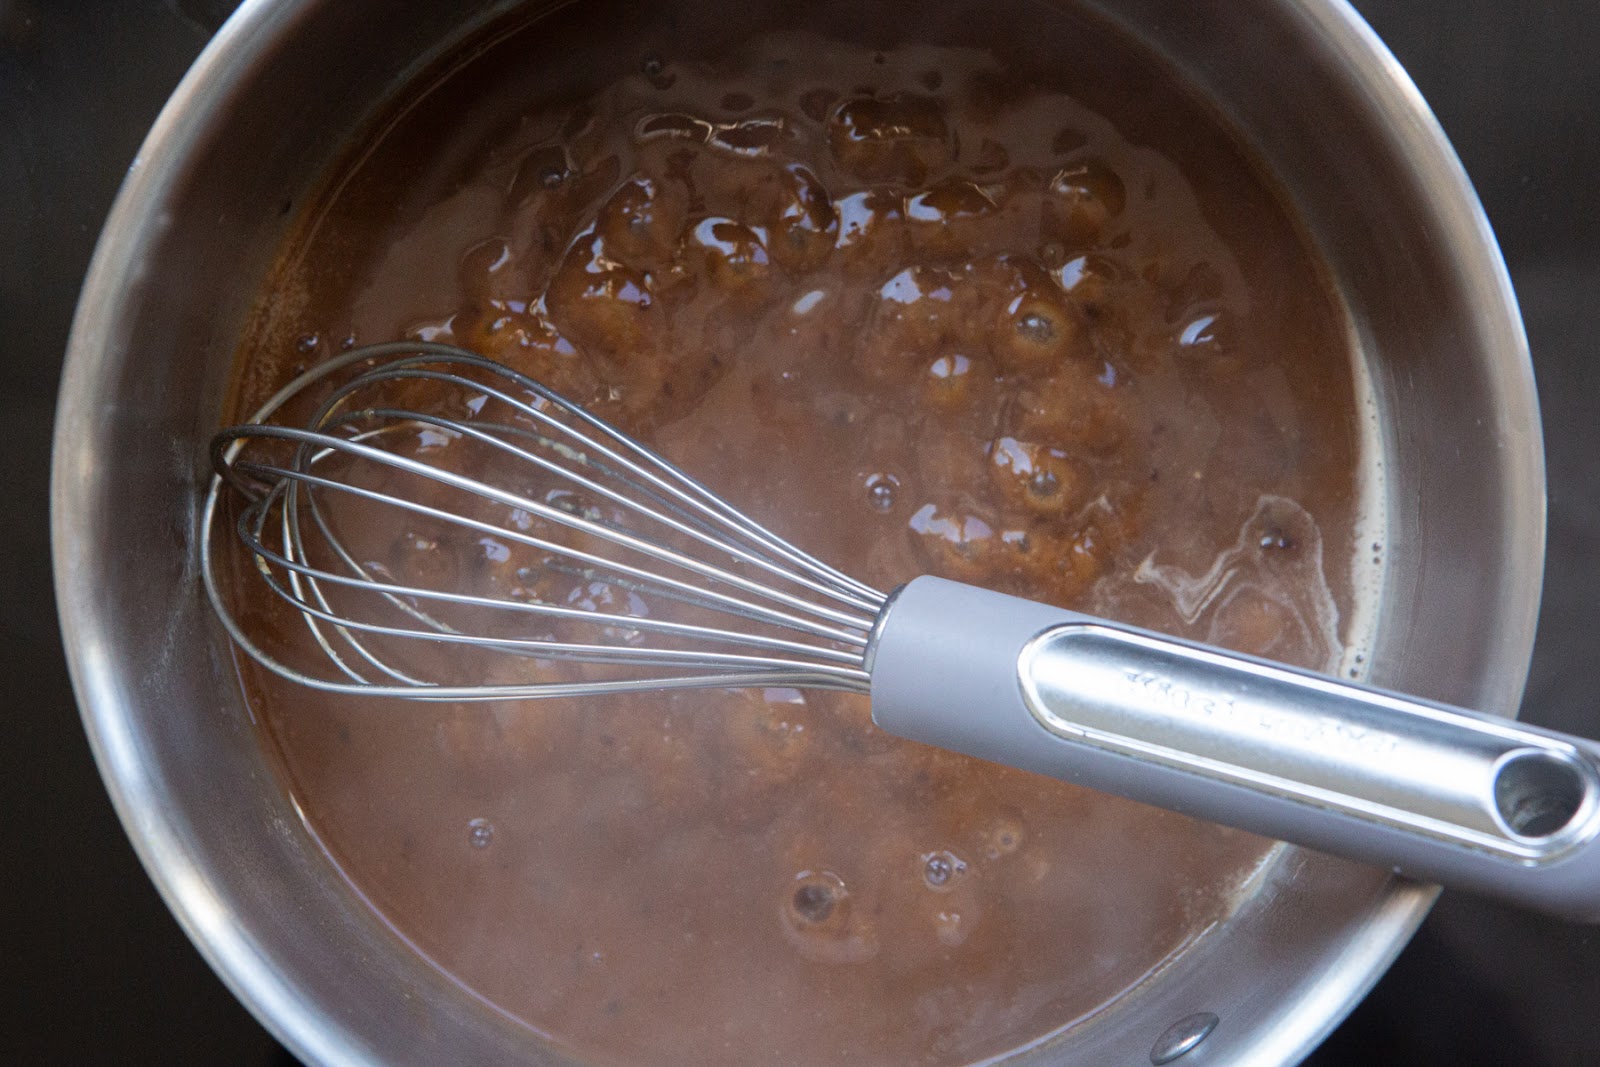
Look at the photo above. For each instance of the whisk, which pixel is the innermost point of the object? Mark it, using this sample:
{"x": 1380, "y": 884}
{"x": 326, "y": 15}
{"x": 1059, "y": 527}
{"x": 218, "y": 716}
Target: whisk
{"x": 603, "y": 568}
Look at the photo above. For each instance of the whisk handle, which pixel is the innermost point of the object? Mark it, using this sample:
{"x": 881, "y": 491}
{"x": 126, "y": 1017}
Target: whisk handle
{"x": 1433, "y": 792}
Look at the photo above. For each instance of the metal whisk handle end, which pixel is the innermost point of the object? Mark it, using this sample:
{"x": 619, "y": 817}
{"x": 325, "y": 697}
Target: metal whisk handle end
{"x": 1433, "y": 792}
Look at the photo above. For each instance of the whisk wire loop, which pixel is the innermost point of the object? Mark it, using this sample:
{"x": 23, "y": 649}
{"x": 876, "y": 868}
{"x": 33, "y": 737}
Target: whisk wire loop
{"x": 617, "y": 537}
{"x": 249, "y": 530}
{"x": 628, "y": 537}
{"x": 671, "y": 480}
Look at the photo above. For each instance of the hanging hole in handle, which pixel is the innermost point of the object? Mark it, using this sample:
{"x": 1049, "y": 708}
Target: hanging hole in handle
{"x": 1538, "y": 793}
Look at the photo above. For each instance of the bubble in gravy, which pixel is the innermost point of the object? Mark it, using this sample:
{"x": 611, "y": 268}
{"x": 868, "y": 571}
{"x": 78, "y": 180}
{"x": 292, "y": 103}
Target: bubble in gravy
{"x": 822, "y": 923}
{"x": 751, "y": 138}
{"x": 881, "y": 489}
{"x": 656, "y": 73}
{"x": 941, "y": 869}
{"x": 1002, "y": 837}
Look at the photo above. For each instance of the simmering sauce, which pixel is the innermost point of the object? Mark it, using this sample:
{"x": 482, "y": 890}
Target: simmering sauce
{"x": 1019, "y": 314}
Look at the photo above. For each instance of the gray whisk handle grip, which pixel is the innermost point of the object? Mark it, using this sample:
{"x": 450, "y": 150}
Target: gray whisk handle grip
{"x": 1433, "y": 792}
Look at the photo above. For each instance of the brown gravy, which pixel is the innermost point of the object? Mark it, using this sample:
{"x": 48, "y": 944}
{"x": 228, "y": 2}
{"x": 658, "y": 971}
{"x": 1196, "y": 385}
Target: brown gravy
{"x": 919, "y": 310}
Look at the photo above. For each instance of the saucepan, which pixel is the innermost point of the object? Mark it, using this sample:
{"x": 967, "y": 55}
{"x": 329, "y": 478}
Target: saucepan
{"x": 208, "y": 201}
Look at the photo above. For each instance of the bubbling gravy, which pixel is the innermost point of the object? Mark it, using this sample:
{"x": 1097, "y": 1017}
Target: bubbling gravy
{"x": 919, "y": 307}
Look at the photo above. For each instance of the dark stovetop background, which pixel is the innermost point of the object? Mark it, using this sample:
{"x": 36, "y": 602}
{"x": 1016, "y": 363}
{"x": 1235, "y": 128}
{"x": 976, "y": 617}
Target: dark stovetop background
{"x": 95, "y": 970}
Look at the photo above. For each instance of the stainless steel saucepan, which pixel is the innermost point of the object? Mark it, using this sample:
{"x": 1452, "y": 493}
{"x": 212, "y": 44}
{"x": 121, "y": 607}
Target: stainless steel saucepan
{"x": 207, "y": 204}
